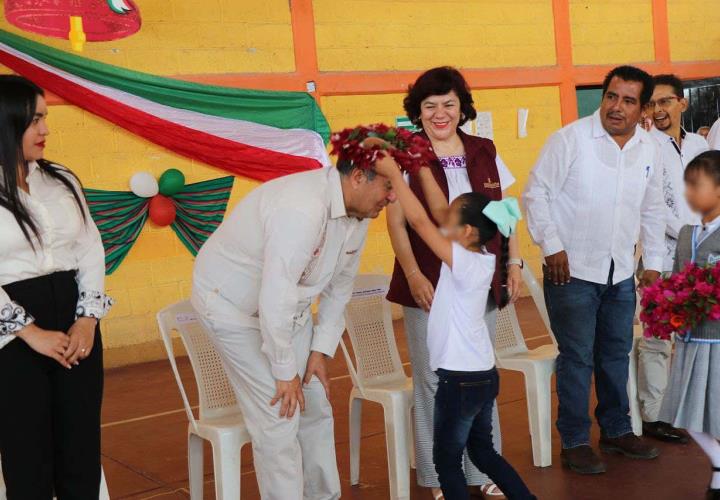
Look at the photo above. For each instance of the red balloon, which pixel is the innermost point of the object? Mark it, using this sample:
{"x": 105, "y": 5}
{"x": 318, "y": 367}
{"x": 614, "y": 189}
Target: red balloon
{"x": 162, "y": 210}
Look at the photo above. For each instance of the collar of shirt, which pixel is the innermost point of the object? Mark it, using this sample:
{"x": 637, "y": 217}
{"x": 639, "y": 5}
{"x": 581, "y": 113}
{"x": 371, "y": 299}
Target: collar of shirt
{"x": 663, "y": 138}
{"x": 599, "y": 131}
{"x": 710, "y": 227}
{"x": 337, "y": 200}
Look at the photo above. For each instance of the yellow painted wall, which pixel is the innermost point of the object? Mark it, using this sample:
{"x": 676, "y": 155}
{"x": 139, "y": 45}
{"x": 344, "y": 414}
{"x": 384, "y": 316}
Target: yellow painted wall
{"x": 611, "y": 31}
{"x": 694, "y": 27}
{"x": 199, "y": 36}
{"x": 386, "y": 35}
{"x": 220, "y": 36}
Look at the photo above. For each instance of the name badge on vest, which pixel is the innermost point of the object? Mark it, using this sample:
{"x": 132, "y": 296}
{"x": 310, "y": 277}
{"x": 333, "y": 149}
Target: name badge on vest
{"x": 713, "y": 259}
{"x": 491, "y": 185}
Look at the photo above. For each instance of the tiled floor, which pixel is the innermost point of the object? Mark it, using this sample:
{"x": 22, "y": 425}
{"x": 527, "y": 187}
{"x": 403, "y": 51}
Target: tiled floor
{"x": 144, "y": 445}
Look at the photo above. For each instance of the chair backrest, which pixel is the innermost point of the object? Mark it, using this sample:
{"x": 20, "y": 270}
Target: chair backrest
{"x": 368, "y": 319}
{"x": 217, "y": 398}
{"x": 509, "y": 338}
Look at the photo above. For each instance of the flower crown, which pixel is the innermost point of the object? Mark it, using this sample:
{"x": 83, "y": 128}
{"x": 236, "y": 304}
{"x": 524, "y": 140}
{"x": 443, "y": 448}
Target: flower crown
{"x": 410, "y": 151}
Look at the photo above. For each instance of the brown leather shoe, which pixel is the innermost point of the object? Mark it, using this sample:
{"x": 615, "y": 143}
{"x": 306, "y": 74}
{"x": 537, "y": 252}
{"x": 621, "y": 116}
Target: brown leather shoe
{"x": 665, "y": 432}
{"x": 582, "y": 459}
{"x": 629, "y": 445}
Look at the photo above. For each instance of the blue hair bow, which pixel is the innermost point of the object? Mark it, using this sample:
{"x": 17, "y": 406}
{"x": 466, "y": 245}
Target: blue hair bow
{"x": 505, "y": 214}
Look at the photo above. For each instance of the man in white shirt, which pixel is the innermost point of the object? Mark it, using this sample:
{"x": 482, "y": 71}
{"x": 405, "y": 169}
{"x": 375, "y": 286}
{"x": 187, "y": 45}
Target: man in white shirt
{"x": 676, "y": 148}
{"x": 594, "y": 189}
{"x": 713, "y": 137}
{"x": 287, "y": 242}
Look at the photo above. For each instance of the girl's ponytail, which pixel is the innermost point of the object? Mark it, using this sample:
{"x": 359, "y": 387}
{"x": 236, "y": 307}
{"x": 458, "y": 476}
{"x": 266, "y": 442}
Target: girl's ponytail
{"x": 504, "y": 273}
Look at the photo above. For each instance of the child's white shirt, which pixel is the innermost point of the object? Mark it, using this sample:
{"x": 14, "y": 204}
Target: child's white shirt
{"x": 458, "y": 338}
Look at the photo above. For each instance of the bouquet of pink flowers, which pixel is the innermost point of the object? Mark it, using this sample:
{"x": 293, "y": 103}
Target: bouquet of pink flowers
{"x": 679, "y": 303}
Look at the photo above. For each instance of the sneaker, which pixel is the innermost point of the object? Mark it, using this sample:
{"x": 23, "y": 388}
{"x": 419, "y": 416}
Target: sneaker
{"x": 582, "y": 459}
{"x": 629, "y": 445}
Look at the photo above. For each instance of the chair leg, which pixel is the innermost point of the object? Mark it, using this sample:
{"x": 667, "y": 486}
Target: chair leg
{"x": 355, "y": 420}
{"x": 635, "y": 417}
{"x": 104, "y": 493}
{"x": 226, "y": 464}
{"x": 397, "y": 449}
{"x": 537, "y": 388}
{"x": 195, "y": 466}
{"x": 411, "y": 431}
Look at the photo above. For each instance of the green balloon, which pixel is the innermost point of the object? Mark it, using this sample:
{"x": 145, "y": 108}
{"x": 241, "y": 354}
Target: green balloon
{"x": 171, "y": 182}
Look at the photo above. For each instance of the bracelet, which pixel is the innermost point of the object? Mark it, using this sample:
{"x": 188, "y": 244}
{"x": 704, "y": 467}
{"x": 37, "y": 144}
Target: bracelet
{"x": 516, "y": 262}
{"x": 414, "y": 271}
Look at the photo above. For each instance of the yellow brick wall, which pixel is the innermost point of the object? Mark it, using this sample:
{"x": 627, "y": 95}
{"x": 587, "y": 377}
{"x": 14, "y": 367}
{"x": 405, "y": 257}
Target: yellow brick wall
{"x": 244, "y": 36}
{"x": 198, "y": 36}
{"x": 384, "y": 35}
{"x": 611, "y": 31}
{"x": 694, "y": 27}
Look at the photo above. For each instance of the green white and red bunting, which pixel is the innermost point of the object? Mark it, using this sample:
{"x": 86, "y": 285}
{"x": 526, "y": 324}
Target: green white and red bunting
{"x": 121, "y": 215}
{"x": 254, "y": 133}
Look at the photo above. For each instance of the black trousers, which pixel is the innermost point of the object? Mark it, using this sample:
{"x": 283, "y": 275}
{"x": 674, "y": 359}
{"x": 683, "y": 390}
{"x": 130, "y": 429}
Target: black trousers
{"x": 49, "y": 415}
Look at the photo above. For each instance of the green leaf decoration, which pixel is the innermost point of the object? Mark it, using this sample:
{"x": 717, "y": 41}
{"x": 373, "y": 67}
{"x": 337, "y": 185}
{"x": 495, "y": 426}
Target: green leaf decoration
{"x": 120, "y": 216}
{"x": 200, "y": 210}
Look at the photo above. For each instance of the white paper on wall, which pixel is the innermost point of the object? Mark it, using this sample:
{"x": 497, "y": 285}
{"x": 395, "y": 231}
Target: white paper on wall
{"x": 522, "y": 122}
{"x": 484, "y": 125}
{"x": 468, "y": 127}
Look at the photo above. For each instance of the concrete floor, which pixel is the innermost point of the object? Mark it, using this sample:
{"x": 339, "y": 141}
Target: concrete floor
{"x": 144, "y": 442}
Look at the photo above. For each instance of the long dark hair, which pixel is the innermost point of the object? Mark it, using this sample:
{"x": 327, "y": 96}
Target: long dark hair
{"x": 18, "y": 99}
{"x": 471, "y": 212}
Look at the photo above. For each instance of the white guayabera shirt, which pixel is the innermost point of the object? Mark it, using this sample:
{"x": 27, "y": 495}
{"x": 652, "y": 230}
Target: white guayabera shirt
{"x": 67, "y": 242}
{"x": 287, "y": 242}
{"x": 594, "y": 200}
{"x": 673, "y": 159}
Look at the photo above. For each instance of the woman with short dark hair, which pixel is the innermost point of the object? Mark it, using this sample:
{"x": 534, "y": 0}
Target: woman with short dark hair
{"x": 52, "y": 273}
{"x": 439, "y": 103}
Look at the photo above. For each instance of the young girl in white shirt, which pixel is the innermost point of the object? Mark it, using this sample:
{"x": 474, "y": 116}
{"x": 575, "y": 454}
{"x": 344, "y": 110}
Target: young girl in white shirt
{"x": 461, "y": 352}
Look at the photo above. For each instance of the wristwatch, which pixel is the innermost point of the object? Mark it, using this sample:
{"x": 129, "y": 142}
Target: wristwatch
{"x": 516, "y": 262}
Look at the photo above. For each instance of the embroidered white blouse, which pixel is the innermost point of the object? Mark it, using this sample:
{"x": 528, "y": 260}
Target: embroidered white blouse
{"x": 66, "y": 243}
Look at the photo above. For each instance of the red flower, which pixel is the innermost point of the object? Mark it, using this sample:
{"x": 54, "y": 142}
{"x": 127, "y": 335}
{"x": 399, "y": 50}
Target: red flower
{"x": 410, "y": 151}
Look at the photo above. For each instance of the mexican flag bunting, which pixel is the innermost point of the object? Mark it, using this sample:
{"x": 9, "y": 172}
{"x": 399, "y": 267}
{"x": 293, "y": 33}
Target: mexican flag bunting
{"x": 253, "y": 133}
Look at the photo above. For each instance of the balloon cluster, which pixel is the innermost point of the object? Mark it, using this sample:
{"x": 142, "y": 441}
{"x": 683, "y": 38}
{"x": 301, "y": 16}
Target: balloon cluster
{"x": 162, "y": 207}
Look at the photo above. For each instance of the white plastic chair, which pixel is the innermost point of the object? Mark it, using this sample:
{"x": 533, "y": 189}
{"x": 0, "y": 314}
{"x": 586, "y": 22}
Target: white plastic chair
{"x": 537, "y": 366}
{"x": 378, "y": 375}
{"x": 104, "y": 494}
{"x": 220, "y": 420}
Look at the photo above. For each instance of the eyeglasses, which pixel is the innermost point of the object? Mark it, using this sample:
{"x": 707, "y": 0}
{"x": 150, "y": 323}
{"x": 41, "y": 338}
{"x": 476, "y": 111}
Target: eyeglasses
{"x": 664, "y": 103}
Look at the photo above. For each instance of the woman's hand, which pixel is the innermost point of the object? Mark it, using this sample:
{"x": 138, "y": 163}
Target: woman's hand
{"x": 82, "y": 337}
{"x": 50, "y": 343}
{"x": 421, "y": 290}
{"x": 514, "y": 282}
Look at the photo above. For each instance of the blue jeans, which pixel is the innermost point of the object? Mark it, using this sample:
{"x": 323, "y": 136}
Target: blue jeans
{"x": 593, "y": 325}
{"x": 463, "y": 418}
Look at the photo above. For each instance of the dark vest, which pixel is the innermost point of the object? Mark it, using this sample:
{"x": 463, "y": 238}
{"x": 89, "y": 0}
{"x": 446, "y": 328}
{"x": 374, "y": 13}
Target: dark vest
{"x": 484, "y": 178}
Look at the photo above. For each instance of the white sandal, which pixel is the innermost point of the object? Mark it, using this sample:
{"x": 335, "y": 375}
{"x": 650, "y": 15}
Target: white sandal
{"x": 491, "y": 490}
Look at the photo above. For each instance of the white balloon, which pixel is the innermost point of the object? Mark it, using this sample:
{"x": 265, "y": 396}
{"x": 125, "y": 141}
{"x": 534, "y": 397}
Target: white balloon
{"x": 144, "y": 185}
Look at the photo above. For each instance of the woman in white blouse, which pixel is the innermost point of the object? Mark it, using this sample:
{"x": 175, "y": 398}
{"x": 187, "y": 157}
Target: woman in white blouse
{"x": 51, "y": 297}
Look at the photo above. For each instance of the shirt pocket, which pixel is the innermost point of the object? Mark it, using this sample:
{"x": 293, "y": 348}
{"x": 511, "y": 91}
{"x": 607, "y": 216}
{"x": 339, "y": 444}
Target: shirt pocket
{"x": 636, "y": 181}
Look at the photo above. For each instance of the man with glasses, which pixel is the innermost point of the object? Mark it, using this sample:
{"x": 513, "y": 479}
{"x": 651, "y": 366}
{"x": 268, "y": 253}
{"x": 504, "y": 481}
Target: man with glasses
{"x": 676, "y": 148}
{"x": 593, "y": 192}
